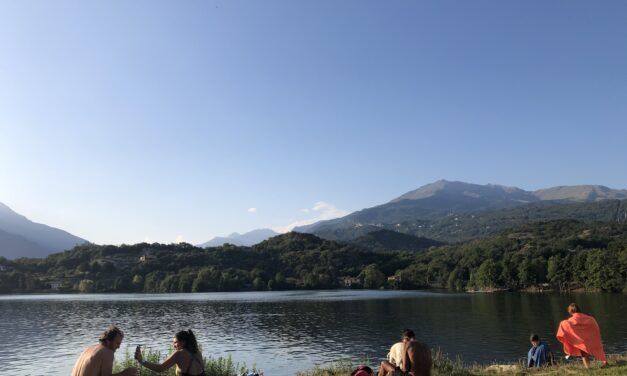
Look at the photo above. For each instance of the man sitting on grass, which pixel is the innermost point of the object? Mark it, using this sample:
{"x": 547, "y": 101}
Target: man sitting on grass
{"x": 395, "y": 356}
{"x": 97, "y": 360}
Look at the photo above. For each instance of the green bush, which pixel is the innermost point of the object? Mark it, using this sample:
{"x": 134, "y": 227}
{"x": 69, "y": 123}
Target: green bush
{"x": 213, "y": 366}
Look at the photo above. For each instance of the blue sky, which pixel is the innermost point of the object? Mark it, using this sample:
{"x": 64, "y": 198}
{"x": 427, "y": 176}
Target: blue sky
{"x": 149, "y": 120}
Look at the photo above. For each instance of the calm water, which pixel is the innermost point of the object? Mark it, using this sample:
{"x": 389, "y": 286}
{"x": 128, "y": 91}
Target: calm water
{"x": 283, "y": 332}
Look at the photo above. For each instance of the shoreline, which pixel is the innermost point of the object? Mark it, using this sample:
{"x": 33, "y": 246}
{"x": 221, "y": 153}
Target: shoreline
{"x": 442, "y": 365}
{"x": 528, "y": 290}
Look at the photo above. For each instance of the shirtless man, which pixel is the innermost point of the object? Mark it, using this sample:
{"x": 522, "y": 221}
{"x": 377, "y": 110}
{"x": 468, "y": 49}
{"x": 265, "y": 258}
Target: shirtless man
{"x": 395, "y": 356}
{"x": 97, "y": 360}
{"x": 417, "y": 359}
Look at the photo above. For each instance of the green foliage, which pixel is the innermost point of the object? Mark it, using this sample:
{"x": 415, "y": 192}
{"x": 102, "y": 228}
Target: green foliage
{"x": 213, "y": 366}
{"x": 486, "y": 276}
{"x": 371, "y": 277}
{"x": 442, "y": 365}
{"x": 562, "y": 255}
{"x": 86, "y": 286}
{"x": 530, "y": 256}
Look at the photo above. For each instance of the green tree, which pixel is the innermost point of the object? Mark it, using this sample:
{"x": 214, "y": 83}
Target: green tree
{"x": 259, "y": 284}
{"x": 487, "y": 275}
{"x": 372, "y": 277}
{"x": 137, "y": 283}
{"x": 207, "y": 279}
{"x": 86, "y": 286}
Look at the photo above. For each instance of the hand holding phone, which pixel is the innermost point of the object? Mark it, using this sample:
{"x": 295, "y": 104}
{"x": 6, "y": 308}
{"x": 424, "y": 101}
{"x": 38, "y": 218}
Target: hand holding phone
{"x": 138, "y": 353}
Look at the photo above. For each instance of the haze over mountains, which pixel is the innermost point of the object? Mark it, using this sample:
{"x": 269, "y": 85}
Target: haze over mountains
{"x": 437, "y": 213}
{"x": 20, "y": 237}
{"x": 247, "y": 239}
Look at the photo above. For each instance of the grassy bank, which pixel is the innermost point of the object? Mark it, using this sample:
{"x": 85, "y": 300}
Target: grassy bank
{"x": 442, "y": 365}
{"x": 445, "y": 366}
{"x": 213, "y": 366}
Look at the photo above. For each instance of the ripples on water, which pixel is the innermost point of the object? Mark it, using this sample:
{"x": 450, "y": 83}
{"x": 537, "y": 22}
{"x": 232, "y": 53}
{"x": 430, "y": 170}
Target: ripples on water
{"x": 283, "y": 332}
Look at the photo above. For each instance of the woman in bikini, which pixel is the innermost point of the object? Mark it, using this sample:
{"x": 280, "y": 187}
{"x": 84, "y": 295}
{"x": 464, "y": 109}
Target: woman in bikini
{"x": 186, "y": 357}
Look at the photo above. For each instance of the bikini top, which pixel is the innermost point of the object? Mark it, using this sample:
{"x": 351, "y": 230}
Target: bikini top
{"x": 194, "y": 358}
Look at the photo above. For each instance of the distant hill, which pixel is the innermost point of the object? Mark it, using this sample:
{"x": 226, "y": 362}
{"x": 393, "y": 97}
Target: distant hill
{"x": 473, "y": 225}
{"x": 435, "y": 205}
{"x": 581, "y": 193}
{"x": 387, "y": 240}
{"x": 20, "y": 237}
{"x": 246, "y": 239}
{"x": 468, "y": 226}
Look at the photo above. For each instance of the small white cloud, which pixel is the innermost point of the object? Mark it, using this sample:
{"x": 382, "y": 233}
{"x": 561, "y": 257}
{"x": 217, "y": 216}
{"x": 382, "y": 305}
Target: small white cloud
{"x": 252, "y": 210}
{"x": 179, "y": 239}
{"x": 147, "y": 239}
{"x": 324, "y": 211}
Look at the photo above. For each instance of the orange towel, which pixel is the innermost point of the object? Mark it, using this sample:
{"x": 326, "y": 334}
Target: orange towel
{"x": 581, "y": 333}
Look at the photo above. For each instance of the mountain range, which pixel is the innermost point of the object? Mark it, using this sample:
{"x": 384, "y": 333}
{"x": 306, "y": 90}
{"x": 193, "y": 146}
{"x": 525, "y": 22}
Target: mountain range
{"x": 20, "y": 237}
{"x": 441, "y": 204}
{"x": 246, "y": 239}
{"x": 434, "y": 214}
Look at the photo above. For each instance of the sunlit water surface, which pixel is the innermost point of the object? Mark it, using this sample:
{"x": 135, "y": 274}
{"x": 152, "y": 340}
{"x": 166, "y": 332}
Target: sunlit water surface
{"x": 284, "y": 332}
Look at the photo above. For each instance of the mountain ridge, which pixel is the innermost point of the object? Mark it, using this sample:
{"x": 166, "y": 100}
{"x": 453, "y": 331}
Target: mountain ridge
{"x": 246, "y": 239}
{"x": 22, "y": 237}
{"x": 444, "y": 198}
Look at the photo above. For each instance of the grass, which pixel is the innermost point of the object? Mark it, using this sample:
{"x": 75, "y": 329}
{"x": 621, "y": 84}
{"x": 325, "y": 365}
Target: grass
{"x": 442, "y": 365}
{"x": 213, "y": 366}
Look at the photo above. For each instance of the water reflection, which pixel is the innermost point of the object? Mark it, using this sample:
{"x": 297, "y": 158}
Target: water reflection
{"x": 282, "y": 332}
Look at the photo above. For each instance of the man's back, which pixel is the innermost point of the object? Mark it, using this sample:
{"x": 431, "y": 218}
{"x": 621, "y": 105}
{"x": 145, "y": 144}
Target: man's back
{"x": 418, "y": 359}
{"x": 96, "y": 360}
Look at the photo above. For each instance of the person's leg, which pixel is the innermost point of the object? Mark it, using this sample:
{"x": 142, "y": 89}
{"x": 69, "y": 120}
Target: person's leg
{"x": 385, "y": 368}
{"x": 584, "y": 358}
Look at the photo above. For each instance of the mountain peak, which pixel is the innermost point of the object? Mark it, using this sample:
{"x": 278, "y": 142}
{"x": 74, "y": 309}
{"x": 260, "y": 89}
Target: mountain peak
{"x": 445, "y": 187}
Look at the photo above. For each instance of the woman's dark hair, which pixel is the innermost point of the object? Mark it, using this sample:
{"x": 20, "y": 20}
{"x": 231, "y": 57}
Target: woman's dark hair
{"x": 534, "y": 337}
{"x": 573, "y": 308}
{"x": 187, "y": 337}
{"x": 110, "y": 334}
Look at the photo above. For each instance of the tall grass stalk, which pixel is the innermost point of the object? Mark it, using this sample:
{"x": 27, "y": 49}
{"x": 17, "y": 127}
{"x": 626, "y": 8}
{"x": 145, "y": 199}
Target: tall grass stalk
{"x": 221, "y": 366}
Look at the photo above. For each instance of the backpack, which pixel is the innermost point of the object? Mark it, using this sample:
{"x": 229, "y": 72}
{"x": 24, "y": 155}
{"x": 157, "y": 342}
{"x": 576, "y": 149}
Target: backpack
{"x": 362, "y": 371}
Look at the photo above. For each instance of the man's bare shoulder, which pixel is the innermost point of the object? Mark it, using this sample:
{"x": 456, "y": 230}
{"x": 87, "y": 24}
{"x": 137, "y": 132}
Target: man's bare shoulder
{"x": 99, "y": 351}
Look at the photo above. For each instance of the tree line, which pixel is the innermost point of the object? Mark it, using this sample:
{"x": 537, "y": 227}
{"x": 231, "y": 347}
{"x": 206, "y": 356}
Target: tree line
{"x": 560, "y": 255}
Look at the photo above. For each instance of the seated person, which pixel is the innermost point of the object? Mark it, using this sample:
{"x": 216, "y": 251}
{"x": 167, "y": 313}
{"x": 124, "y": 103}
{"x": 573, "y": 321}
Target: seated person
{"x": 417, "y": 359}
{"x": 540, "y": 354}
{"x": 395, "y": 356}
{"x": 186, "y": 357}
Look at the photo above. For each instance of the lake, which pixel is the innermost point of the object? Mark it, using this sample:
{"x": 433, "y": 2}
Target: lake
{"x": 284, "y": 332}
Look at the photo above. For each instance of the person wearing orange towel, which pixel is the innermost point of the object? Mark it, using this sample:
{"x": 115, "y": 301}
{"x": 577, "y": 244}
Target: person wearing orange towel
{"x": 581, "y": 336}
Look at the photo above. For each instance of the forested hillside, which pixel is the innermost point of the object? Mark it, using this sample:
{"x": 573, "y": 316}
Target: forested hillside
{"x": 563, "y": 254}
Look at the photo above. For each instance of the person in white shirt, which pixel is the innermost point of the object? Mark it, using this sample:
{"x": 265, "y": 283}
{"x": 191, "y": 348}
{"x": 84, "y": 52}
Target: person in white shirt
{"x": 396, "y": 354}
